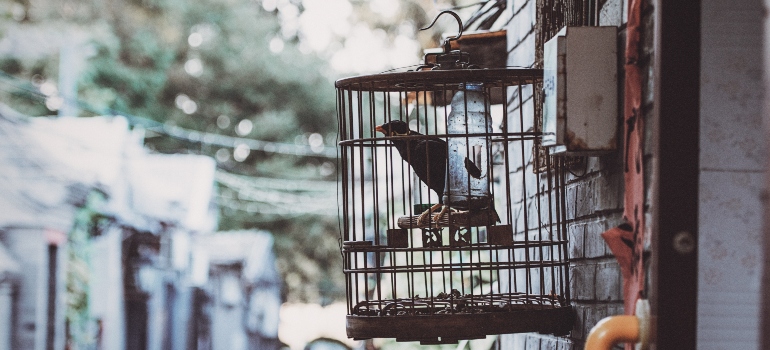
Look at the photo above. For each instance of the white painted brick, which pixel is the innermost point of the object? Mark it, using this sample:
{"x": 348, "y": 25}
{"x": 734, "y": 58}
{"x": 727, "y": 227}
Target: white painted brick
{"x": 548, "y": 343}
{"x": 605, "y": 192}
{"x": 513, "y": 341}
{"x": 595, "y": 246}
{"x": 608, "y": 282}
{"x": 598, "y": 189}
{"x": 593, "y": 315}
{"x": 582, "y": 277}
{"x": 584, "y": 201}
{"x": 576, "y": 237}
{"x": 533, "y": 342}
{"x": 520, "y": 39}
{"x": 518, "y": 219}
{"x": 534, "y": 281}
{"x": 565, "y": 344}
{"x": 611, "y": 14}
{"x": 615, "y": 309}
{"x": 517, "y": 191}
{"x": 571, "y": 194}
{"x": 580, "y": 316}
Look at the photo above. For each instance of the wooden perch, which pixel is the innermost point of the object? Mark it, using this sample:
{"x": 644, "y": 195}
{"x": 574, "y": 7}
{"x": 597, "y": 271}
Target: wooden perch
{"x": 464, "y": 218}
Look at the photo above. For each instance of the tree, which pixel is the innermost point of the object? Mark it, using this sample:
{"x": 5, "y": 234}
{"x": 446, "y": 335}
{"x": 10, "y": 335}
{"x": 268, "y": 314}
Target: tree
{"x": 208, "y": 66}
{"x": 229, "y": 68}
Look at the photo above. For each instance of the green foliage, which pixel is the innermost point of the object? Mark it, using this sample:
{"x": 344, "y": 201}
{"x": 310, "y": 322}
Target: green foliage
{"x": 81, "y": 334}
{"x": 308, "y": 258}
{"x": 283, "y": 94}
{"x": 128, "y": 74}
{"x": 11, "y": 65}
{"x": 24, "y": 96}
{"x": 142, "y": 60}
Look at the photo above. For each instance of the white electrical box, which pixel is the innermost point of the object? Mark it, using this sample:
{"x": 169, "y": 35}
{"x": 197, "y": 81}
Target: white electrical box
{"x": 580, "y": 82}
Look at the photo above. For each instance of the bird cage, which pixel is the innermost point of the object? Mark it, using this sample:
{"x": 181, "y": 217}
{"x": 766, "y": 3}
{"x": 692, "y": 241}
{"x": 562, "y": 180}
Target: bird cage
{"x": 446, "y": 232}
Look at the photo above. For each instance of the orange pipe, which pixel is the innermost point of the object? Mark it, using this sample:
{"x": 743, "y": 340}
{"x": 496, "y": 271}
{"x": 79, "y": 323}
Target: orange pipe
{"x": 612, "y": 330}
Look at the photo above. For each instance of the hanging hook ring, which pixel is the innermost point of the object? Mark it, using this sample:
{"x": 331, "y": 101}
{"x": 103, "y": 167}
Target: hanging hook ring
{"x": 459, "y": 24}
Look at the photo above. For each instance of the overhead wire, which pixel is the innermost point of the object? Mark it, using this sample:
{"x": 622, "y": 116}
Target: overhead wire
{"x": 177, "y": 132}
{"x": 262, "y": 195}
{"x": 281, "y": 197}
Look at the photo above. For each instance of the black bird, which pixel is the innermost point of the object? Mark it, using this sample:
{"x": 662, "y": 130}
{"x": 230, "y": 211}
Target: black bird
{"x": 427, "y": 157}
{"x": 472, "y": 169}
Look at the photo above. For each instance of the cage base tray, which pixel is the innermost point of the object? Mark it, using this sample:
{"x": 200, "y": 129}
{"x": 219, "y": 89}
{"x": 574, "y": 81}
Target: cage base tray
{"x": 450, "y": 328}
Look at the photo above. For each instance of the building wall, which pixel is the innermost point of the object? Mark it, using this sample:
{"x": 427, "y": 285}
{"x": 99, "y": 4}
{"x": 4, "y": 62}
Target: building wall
{"x": 732, "y": 168}
{"x": 107, "y": 291}
{"x": 227, "y": 317}
{"x": 594, "y": 194}
{"x": 30, "y": 319}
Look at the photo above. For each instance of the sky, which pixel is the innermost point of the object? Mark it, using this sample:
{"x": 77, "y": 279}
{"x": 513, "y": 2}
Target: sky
{"x": 352, "y": 48}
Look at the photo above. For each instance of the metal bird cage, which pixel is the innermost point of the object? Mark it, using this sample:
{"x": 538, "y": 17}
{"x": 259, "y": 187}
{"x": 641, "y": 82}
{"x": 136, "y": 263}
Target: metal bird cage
{"x": 492, "y": 258}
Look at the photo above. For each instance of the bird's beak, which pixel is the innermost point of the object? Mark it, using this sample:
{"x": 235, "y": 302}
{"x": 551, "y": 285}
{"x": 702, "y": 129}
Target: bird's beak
{"x": 380, "y": 129}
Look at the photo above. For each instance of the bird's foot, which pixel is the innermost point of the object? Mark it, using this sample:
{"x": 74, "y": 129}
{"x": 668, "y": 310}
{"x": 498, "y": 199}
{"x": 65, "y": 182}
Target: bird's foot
{"x": 425, "y": 219}
{"x": 444, "y": 210}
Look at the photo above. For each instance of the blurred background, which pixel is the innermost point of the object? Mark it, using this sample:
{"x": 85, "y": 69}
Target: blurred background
{"x": 168, "y": 173}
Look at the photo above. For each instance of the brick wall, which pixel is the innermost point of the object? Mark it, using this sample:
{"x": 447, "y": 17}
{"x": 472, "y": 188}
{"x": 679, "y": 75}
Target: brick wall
{"x": 594, "y": 193}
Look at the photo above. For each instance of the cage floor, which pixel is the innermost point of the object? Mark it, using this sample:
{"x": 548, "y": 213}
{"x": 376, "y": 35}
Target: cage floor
{"x": 448, "y": 318}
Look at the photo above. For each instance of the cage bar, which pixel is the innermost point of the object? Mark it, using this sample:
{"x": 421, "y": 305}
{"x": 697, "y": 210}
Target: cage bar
{"x": 478, "y": 268}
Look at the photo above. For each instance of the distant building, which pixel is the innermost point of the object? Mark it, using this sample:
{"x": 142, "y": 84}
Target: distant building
{"x": 101, "y": 230}
{"x": 241, "y": 302}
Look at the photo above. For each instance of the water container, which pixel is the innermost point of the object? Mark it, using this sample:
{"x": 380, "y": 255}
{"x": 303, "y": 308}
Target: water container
{"x": 468, "y": 190}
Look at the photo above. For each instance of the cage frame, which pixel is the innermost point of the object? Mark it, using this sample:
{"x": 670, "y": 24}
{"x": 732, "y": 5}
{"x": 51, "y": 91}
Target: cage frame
{"x": 421, "y": 319}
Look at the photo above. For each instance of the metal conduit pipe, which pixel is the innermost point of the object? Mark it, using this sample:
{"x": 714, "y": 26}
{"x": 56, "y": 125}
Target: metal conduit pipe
{"x": 612, "y": 330}
{"x": 622, "y": 328}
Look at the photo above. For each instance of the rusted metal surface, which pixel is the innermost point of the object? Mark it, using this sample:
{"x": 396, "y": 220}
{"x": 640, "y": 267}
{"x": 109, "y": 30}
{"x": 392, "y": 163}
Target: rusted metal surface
{"x": 420, "y": 81}
{"x": 433, "y": 328}
{"x": 627, "y": 241}
{"x": 486, "y": 49}
{"x": 552, "y": 15}
{"x": 580, "y": 112}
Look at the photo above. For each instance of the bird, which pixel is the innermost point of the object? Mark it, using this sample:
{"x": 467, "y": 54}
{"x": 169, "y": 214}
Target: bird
{"x": 426, "y": 156}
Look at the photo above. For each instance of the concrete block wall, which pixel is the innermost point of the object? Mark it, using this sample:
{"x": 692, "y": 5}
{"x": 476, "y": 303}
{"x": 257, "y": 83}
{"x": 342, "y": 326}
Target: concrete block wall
{"x": 733, "y": 166}
{"x": 594, "y": 187}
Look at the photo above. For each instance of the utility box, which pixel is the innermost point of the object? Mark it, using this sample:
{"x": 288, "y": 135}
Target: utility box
{"x": 580, "y": 83}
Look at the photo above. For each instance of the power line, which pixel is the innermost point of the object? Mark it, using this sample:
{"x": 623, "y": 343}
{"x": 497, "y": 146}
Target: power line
{"x": 232, "y": 142}
{"x": 276, "y": 196}
{"x": 194, "y": 136}
{"x": 263, "y": 195}
{"x": 286, "y": 185}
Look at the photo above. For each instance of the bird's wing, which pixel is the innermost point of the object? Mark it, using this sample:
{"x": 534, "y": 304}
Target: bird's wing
{"x": 472, "y": 169}
{"x": 427, "y": 158}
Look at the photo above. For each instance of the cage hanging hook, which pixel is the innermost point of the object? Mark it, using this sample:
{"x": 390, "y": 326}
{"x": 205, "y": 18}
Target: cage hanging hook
{"x": 459, "y": 29}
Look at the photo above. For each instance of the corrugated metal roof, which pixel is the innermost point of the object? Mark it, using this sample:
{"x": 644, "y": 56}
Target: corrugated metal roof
{"x": 47, "y": 163}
